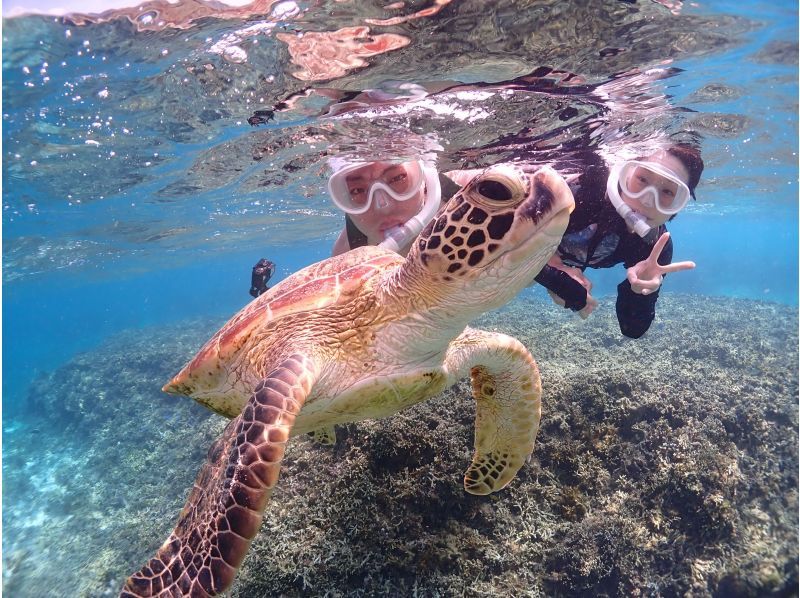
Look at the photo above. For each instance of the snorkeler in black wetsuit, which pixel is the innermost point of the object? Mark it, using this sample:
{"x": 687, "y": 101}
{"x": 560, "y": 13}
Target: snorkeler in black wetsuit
{"x": 599, "y": 237}
{"x": 262, "y": 272}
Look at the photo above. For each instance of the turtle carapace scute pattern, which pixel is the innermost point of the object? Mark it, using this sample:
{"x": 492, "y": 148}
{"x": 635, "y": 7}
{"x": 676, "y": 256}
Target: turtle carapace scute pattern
{"x": 364, "y": 335}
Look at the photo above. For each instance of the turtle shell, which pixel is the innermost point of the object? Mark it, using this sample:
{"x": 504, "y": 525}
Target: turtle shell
{"x": 324, "y": 283}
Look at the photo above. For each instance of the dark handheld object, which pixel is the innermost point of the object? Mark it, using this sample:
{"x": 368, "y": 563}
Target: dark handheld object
{"x": 261, "y": 117}
{"x": 262, "y": 272}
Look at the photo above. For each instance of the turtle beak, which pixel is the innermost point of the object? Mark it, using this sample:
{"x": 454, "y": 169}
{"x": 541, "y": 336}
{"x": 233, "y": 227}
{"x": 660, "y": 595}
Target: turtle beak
{"x": 179, "y": 385}
{"x": 172, "y": 387}
{"x": 550, "y": 195}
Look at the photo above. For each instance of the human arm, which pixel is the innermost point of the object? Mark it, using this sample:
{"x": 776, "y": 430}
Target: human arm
{"x": 635, "y": 312}
{"x": 568, "y": 290}
{"x": 638, "y": 293}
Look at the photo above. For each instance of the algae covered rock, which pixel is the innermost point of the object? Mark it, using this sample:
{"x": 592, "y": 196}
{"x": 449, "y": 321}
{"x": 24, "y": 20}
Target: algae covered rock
{"x": 664, "y": 466}
{"x": 661, "y": 467}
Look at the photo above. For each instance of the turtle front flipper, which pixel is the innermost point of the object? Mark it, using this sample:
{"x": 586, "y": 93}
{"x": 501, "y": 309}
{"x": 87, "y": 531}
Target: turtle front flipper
{"x": 507, "y": 389}
{"x": 226, "y": 505}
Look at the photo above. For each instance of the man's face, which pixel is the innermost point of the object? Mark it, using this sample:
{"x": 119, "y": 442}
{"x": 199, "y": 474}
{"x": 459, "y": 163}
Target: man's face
{"x": 384, "y": 212}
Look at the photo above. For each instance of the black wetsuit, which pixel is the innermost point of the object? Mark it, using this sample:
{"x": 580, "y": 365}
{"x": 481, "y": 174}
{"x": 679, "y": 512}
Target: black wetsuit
{"x": 597, "y": 237}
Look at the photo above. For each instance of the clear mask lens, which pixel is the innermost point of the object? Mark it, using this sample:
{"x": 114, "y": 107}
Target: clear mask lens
{"x": 355, "y": 187}
{"x": 654, "y": 186}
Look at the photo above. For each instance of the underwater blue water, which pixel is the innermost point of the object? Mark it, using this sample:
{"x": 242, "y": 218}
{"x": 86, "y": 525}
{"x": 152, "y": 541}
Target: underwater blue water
{"x": 42, "y": 328}
{"x": 745, "y": 244}
{"x": 95, "y": 244}
{"x": 744, "y": 241}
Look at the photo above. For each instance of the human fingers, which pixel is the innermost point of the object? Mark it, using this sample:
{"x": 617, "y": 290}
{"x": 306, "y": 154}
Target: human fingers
{"x": 585, "y": 282}
{"x": 645, "y": 287}
{"x": 575, "y": 274}
{"x": 582, "y": 280}
{"x": 633, "y": 278}
{"x": 578, "y": 276}
{"x": 658, "y": 248}
{"x": 677, "y": 267}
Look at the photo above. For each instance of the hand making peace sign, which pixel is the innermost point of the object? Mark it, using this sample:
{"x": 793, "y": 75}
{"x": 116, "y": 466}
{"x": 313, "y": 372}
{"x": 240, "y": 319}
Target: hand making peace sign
{"x": 646, "y": 276}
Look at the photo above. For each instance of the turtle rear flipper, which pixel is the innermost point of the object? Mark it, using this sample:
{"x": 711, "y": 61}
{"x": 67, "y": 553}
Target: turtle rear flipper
{"x": 507, "y": 390}
{"x": 226, "y": 505}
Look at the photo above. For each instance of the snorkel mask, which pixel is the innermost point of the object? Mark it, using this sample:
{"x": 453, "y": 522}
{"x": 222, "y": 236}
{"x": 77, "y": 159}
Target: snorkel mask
{"x": 653, "y": 185}
{"x": 353, "y": 190}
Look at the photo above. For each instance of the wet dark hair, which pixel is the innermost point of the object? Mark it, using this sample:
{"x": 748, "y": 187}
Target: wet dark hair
{"x": 689, "y": 156}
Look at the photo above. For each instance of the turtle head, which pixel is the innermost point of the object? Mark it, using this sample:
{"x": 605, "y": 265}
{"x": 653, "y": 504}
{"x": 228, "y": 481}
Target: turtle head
{"x": 493, "y": 237}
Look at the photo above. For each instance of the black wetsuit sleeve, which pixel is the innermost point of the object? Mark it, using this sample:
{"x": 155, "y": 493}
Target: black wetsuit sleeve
{"x": 563, "y": 285}
{"x": 636, "y": 312}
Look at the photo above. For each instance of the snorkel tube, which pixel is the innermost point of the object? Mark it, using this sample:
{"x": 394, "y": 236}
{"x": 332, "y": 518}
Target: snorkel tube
{"x": 399, "y": 237}
{"x": 633, "y": 219}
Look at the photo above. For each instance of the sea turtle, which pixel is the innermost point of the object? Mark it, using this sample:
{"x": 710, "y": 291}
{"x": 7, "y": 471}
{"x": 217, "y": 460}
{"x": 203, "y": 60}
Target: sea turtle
{"x": 364, "y": 335}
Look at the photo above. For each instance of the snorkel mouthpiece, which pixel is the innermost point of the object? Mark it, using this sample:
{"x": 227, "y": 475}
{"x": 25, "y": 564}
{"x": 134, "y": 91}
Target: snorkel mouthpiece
{"x": 397, "y": 237}
{"x": 633, "y": 219}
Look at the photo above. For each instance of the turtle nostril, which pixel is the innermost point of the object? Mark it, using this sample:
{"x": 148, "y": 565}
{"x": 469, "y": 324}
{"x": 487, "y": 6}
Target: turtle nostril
{"x": 494, "y": 190}
{"x": 542, "y": 201}
{"x": 544, "y": 197}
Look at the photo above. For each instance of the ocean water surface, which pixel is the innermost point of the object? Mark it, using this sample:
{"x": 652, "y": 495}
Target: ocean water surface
{"x": 136, "y": 198}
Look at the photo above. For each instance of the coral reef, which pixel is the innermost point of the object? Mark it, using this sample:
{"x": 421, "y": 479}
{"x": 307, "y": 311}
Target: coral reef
{"x": 101, "y": 453}
{"x": 664, "y": 466}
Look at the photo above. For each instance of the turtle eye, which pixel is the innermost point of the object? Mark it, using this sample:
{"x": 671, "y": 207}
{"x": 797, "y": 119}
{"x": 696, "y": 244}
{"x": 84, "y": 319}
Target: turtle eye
{"x": 495, "y": 190}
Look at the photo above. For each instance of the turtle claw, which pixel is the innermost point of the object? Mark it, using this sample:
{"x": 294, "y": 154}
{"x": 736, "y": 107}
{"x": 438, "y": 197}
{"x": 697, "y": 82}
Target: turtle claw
{"x": 325, "y": 436}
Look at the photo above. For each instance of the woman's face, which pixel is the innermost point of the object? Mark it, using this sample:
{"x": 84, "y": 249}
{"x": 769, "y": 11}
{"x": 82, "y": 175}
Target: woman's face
{"x": 385, "y": 212}
{"x": 641, "y": 178}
